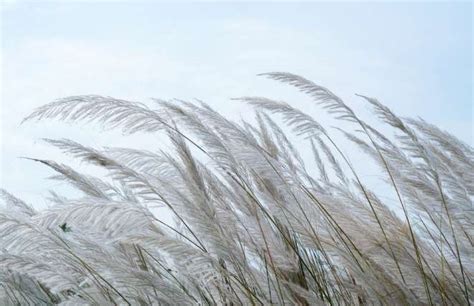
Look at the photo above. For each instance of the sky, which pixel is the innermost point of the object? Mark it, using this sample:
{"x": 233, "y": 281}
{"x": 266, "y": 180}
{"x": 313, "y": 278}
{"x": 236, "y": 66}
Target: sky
{"x": 415, "y": 57}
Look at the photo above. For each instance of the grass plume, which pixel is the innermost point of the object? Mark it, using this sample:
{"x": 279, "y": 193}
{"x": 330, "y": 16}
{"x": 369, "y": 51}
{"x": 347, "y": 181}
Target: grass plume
{"x": 255, "y": 223}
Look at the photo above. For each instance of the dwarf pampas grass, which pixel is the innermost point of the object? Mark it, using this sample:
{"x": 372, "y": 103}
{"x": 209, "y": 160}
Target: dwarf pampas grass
{"x": 256, "y": 224}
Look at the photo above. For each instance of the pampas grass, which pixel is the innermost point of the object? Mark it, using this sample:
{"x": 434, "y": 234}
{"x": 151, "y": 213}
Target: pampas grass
{"x": 255, "y": 223}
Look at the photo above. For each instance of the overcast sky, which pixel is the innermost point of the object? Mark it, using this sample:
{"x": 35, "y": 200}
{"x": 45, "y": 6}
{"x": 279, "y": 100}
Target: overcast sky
{"x": 414, "y": 57}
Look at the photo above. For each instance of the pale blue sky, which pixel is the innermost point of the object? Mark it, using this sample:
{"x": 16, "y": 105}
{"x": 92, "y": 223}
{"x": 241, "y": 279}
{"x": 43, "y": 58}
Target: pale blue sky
{"x": 414, "y": 57}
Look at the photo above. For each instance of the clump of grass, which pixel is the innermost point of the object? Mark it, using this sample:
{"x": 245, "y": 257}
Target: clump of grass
{"x": 255, "y": 223}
